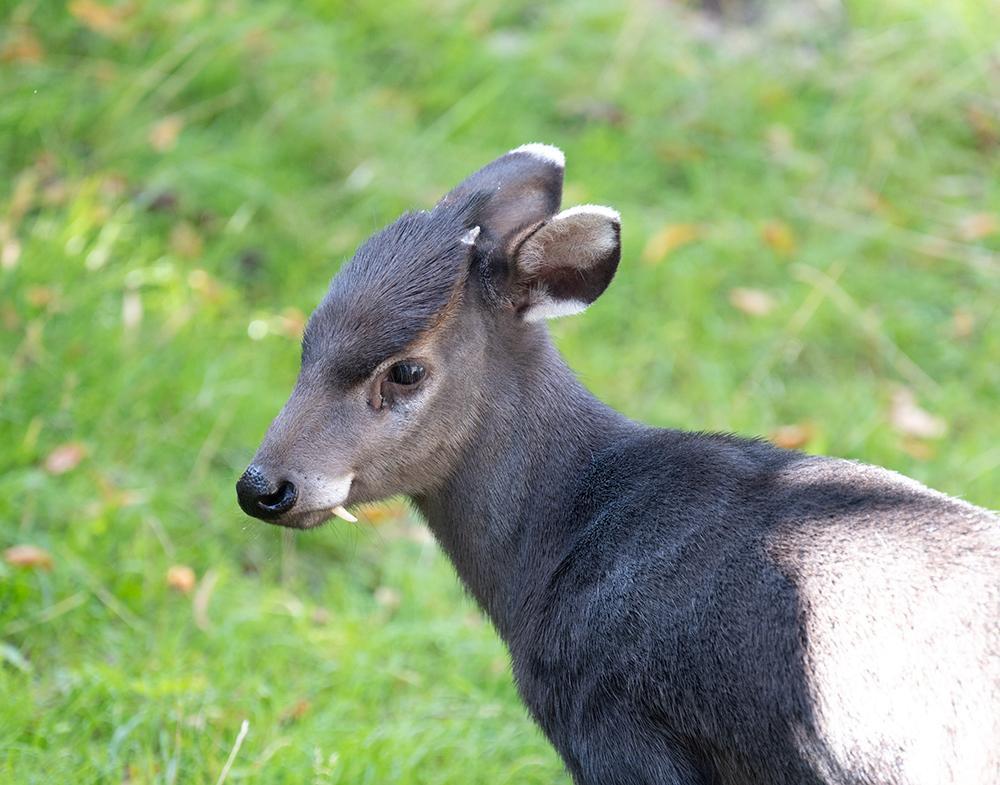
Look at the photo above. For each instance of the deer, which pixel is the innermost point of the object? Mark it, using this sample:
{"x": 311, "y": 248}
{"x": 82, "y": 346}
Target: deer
{"x": 680, "y": 608}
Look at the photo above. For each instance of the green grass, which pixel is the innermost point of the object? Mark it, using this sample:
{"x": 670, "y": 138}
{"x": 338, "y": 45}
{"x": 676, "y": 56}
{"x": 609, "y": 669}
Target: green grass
{"x": 863, "y": 145}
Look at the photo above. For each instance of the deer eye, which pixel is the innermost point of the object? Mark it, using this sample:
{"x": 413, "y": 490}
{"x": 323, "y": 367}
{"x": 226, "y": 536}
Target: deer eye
{"x": 406, "y": 373}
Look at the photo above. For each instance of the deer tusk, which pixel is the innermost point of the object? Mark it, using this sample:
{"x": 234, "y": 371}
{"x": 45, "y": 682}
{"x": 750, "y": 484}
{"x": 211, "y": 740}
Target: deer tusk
{"x": 340, "y": 512}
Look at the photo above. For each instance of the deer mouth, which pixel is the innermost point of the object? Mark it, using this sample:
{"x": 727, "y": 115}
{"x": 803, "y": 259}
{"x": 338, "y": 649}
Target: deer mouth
{"x": 311, "y": 519}
{"x": 326, "y": 499}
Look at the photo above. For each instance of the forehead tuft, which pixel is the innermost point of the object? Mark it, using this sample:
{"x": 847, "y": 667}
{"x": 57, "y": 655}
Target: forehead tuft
{"x": 393, "y": 289}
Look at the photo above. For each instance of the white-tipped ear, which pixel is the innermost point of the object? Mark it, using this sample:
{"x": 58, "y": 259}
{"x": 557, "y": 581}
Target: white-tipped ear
{"x": 590, "y": 209}
{"x": 544, "y": 307}
{"x": 517, "y": 190}
{"x": 546, "y": 152}
{"x": 568, "y": 262}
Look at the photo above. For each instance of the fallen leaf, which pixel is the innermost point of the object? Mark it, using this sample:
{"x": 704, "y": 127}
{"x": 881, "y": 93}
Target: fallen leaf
{"x": 295, "y": 712}
{"x": 962, "y": 323}
{"x": 186, "y": 241}
{"x": 29, "y": 557}
{"x": 877, "y": 203}
{"x": 103, "y": 19}
{"x": 752, "y": 301}
{"x": 985, "y": 125}
{"x": 778, "y": 236}
{"x": 10, "y": 253}
{"x": 793, "y": 437}
{"x": 384, "y": 511}
{"x": 10, "y": 247}
{"x": 780, "y": 140}
{"x": 473, "y": 620}
{"x": 65, "y": 458}
{"x": 9, "y": 318}
{"x": 22, "y": 47}
{"x": 202, "y": 597}
{"x": 164, "y": 133}
{"x": 292, "y": 323}
{"x": 906, "y": 416}
{"x": 55, "y": 192}
{"x": 388, "y": 598}
{"x": 208, "y": 287}
{"x": 977, "y": 226}
{"x": 667, "y": 240}
{"x": 23, "y": 199}
{"x": 39, "y": 296}
{"x": 181, "y": 578}
{"x": 114, "y": 186}
{"x": 915, "y": 448}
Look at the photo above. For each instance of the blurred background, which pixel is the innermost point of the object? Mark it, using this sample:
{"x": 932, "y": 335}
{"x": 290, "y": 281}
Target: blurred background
{"x": 810, "y": 193}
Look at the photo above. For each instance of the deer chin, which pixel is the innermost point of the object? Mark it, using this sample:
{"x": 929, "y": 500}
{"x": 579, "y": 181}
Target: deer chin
{"x": 312, "y": 519}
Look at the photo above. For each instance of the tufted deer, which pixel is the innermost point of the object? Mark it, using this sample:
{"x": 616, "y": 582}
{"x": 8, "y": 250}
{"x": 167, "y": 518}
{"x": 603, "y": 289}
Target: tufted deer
{"x": 680, "y": 608}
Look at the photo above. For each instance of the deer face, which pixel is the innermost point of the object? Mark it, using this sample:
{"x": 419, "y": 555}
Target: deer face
{"x": 398, "y": 359}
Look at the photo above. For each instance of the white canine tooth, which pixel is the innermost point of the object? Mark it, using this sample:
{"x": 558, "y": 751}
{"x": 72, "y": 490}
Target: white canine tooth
{"x": 340, "y": 512}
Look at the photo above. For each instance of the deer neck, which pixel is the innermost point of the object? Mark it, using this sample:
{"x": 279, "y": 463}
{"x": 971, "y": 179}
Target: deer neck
{"x": 501, "y": 515}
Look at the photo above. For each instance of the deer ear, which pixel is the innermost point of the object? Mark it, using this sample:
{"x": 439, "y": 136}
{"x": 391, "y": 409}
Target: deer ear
{"x": 516, "y": 190}
{"x": 567, "y": 263}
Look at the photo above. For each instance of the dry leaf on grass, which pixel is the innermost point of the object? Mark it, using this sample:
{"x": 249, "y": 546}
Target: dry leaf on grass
{"x": 292, "y": 323}
{"x": 207, "y": 287}
{"x": 164, "y": 133}
{"x": 778, "y": 236}
{"x": 22, "y": 47}
{"x": 10, "y": 246}
{"x": 985, "y": 125}
{"x": 384, "y": 512}
{"x": 186, "y": 241}
{"x": 915, "y": 448}
{"x": 181, "y": 578}
{"x": 668, "y": 239}
{"x": 39, "y": 296}
{"x": 10, "y": 252}
{"x": 962, "y": 323}
{"x": 295, "y": 712}
{"x": 387, "y": 597}
{"x": 9, "y": 318}
{"x": 65, "y": 458}
{"x": 793, "y": 437}
{"x": 977, "y": 226}
{"x": 104, "y": 19}
{"x": 751, "y": 301}
{"x": 29, "y": 557}
{"x": 908, "y": 419}
{"x": 202, "y": 597}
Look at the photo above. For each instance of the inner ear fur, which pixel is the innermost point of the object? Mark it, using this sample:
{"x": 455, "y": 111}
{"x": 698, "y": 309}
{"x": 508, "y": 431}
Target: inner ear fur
{"x": 567, "y": 262}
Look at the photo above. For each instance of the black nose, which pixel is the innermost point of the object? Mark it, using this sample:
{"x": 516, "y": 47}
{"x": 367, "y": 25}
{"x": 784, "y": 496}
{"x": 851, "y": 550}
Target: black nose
{"x": 262, "y": 498}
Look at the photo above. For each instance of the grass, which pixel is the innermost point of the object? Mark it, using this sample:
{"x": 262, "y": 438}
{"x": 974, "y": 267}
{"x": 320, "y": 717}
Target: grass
{"x": 171, "y": 172}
